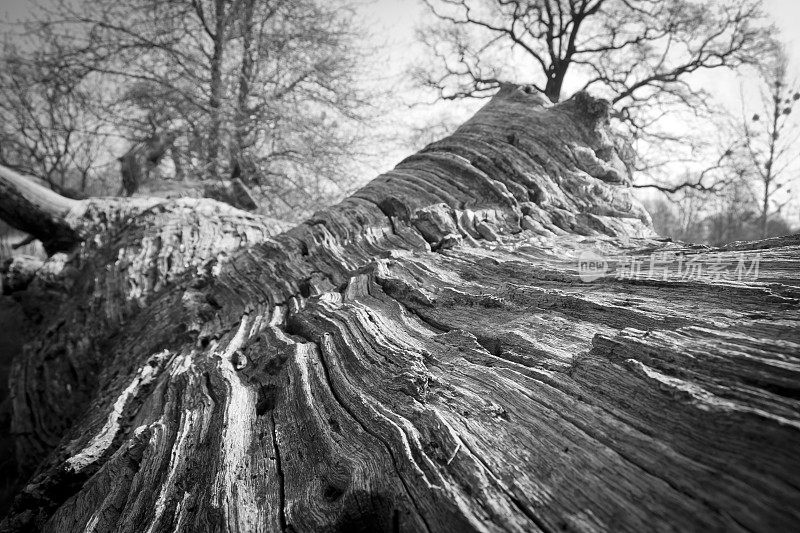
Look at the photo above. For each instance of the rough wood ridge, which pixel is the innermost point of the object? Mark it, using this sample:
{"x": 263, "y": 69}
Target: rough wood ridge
{"x": 423, "y": 356}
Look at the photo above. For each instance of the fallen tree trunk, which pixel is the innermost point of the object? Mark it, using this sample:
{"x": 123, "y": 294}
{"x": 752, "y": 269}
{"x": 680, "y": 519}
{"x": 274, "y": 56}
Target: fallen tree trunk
{"x": 427, "y": 355}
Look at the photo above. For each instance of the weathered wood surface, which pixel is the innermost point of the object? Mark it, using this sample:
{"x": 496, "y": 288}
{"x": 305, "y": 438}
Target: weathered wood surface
{"x": 423, "y": 356}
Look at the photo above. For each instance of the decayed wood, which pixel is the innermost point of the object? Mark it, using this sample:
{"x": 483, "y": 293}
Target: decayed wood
{"x": 35, "y": 209}
{"x": 423, "y": 356}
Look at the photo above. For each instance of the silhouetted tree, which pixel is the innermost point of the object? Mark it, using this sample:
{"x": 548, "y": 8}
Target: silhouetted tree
{"x": 640, "y": 54}
{"x": 770, "y": 139}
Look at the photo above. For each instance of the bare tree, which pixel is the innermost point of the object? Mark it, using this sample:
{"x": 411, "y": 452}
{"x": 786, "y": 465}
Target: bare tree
{"x": 630, "y": 50}
{"x": 265, "y": 91}
{"x": 46, "y": 128}
{"x": 640, "y": 54}
{"x": 770, "y": 139}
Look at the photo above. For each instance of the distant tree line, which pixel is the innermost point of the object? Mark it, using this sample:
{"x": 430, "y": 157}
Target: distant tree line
{"x": 748, "y": 194}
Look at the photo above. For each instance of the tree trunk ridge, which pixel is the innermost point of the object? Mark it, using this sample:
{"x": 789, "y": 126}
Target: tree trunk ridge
{"x": 423, "y": 356}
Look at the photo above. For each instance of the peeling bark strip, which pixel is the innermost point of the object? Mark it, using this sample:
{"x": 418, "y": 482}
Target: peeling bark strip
{"x": 421, "y": 357}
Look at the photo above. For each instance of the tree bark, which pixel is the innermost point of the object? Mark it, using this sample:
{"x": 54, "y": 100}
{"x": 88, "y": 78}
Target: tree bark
{"x": 245, "y": 77}
{"x": 423, "y": 356}
{"x": 141, "y": 160}
{"x": 37, "y": 210}
{"x": 216, "y": 88}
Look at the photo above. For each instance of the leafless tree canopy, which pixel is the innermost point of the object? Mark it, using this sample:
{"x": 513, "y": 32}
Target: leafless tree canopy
{"x": 46, "y": 124}
{"x": 770, "y": 141}
{"x": 745, "y": 194}
{"x": 637, "y": 53}
{"x": 267, "y": 92}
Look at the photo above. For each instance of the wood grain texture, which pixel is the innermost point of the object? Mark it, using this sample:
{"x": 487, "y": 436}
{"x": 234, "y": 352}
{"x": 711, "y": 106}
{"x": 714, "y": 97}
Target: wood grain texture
{"x": 423, "y": 356}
